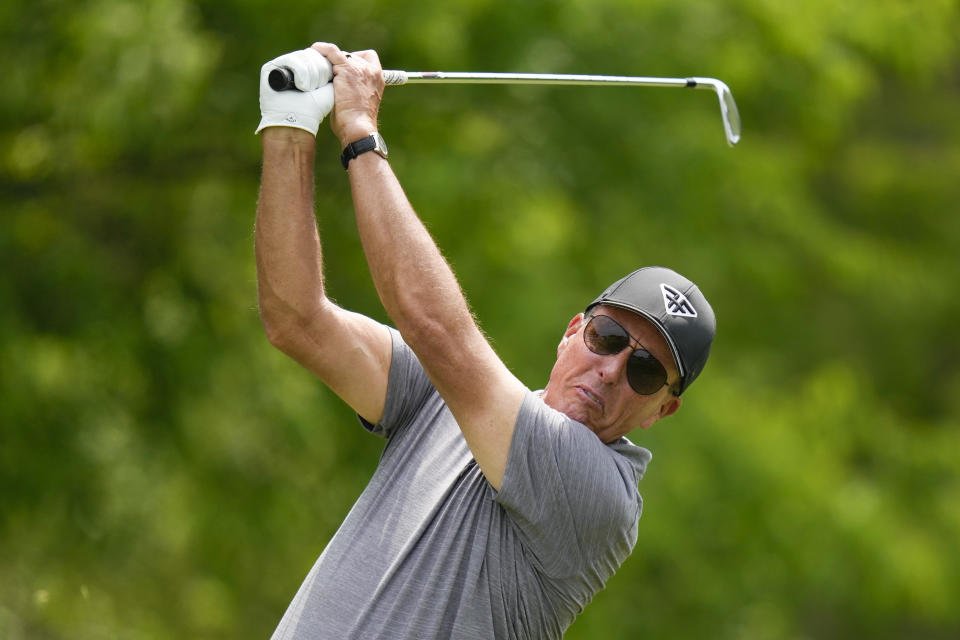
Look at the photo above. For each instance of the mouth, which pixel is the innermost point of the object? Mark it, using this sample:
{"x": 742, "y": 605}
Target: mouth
{"x": 589, "y": 394}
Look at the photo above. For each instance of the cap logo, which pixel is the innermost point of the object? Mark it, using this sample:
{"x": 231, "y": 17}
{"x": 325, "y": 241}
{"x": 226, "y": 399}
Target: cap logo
{"x": 676, "y": 303}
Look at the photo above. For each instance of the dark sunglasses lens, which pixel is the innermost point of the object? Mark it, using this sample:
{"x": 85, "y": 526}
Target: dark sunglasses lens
{"x": 645, "y": 373}
{"x": 605, "y": 337}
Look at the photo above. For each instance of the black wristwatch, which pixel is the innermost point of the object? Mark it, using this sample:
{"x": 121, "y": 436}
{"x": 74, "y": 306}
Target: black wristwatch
{"x": 373, "y": 142}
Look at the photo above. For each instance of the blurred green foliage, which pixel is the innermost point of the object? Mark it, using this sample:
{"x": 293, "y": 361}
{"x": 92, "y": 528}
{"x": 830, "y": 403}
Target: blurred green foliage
{"x": 165, "y": 474}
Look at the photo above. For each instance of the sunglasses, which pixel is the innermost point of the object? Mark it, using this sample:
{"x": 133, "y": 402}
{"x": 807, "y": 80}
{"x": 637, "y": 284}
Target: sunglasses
{"x": 604, "y": 336}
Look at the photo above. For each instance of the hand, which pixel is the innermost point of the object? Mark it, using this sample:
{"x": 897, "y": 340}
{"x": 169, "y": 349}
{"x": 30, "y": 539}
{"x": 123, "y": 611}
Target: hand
{"x": 303, "y": 109}
{"x": 358, "y": 81}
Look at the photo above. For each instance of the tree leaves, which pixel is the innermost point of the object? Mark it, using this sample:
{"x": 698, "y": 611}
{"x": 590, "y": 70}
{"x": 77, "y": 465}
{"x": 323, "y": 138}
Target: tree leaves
{"x": 165, "y": 473}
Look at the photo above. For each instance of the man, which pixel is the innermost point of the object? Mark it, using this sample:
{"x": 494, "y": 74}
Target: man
{"x": 496, "y": 511}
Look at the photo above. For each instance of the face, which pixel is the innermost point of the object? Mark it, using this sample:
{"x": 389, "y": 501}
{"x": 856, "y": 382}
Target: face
{"x": 593, "y": 389}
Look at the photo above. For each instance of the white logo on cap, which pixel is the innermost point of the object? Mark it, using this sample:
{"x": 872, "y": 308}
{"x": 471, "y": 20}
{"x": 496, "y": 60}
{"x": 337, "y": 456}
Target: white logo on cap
{"x": 676, "y": 303}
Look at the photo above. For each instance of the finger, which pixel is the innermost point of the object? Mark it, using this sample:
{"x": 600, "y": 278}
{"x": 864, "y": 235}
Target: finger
{"x": 331, "y": 52}
{"x": 369, "y": 55}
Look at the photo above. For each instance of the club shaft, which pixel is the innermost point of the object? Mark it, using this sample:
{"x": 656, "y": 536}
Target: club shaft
{"x": 454, "y": 77}
{"x": 282, "y": 79}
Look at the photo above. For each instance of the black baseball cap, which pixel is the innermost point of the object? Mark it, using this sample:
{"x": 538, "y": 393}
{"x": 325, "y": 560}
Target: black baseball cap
{"x": 676, "y": 307}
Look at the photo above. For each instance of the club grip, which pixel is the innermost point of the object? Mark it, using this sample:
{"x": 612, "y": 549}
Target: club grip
{"x": 281, "y": 78}
{"x": 394, "y": 76}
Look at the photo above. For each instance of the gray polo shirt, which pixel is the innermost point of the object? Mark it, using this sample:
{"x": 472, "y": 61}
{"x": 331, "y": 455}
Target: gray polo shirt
{"x": 431, "y": 550}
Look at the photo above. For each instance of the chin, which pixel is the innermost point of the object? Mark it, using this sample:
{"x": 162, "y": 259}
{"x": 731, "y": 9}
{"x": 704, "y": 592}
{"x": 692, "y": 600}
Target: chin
{"x": 581, "y": 414}
{"x": 573, "y": 409}
{"x": 569, "y": 409}
{"x": 573, "y": 413}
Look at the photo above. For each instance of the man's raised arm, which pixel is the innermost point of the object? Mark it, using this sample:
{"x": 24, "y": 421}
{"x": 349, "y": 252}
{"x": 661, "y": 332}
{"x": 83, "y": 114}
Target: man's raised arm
{"x": 349, "y": 352}
{"x": 415, "y": 284}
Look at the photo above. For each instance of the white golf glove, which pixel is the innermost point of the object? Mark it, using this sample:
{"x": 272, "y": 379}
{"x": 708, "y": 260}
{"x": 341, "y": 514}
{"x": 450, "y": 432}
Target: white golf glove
{"x": 303, "y": 109}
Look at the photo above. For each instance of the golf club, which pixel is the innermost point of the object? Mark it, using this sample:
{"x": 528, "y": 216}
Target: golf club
{"x": 281, "y": 79}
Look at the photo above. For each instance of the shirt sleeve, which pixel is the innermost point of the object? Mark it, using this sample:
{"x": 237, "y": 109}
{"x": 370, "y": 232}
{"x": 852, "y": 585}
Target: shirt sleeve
{"x": 573, "y": 498}
{"x": 408, "y": 387}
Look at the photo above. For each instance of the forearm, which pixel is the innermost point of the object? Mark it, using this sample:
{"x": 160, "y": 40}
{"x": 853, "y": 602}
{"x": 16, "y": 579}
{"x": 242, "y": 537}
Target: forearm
{"x": 287, "y": 244}
{"x": 416, "y": 285}
{"x": 424, "y": 300}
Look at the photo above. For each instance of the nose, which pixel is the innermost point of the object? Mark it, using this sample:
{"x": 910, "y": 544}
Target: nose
{"x": 612, "y": 368}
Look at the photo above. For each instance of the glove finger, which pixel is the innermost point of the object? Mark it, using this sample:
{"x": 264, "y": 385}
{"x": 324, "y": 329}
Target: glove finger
{"x": 319, "y": 66}
{"x": 323, "y": 98}
{"x": 300, "y": 70}
{"x": 265, "y": 75}
{"x": 310, "y": 69}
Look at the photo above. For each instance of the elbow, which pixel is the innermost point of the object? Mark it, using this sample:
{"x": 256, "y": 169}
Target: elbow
{"x": 296, "y": 331}
{"x": 278, "y": 328}
{"x": 283, "y": 325}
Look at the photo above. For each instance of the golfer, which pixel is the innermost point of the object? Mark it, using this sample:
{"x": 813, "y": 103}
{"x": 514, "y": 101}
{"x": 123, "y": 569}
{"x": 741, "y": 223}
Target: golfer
{"x": 496, "y": 511}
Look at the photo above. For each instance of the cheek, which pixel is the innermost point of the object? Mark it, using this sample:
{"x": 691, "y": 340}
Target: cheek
{"x": 636, "y": 409}
{"x": 557, "y": 372}
{"x": 567, "y": 361}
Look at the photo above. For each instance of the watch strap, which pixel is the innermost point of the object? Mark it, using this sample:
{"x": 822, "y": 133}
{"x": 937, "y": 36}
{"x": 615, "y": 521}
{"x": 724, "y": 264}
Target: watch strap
{"x": 355, "y": 148}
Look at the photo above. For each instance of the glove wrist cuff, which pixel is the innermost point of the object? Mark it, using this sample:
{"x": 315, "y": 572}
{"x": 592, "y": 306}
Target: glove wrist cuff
{"x": 295, "y": 120}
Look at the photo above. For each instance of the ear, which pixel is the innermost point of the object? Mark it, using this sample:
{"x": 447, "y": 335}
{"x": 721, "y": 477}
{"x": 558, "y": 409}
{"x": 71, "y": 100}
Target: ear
{"x": 669, "y": 407}
{"x": 571, "y": 331}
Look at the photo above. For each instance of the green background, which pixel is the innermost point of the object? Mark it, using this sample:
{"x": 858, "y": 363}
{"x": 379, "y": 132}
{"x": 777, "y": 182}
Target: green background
{"x": 164, "y": 473}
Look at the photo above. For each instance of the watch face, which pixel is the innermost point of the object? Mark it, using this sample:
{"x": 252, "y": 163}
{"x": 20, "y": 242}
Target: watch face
{"x": 381, "y": 147}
